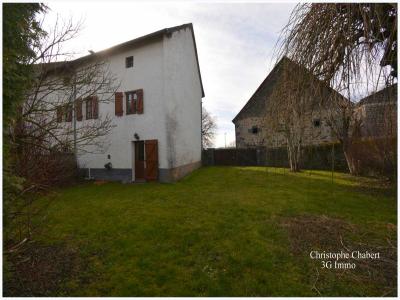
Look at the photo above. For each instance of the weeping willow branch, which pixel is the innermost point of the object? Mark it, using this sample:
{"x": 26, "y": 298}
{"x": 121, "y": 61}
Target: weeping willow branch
{"x": 351, "y": 48}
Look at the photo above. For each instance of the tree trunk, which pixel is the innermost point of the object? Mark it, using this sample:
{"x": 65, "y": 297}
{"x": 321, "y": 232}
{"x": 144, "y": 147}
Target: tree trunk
{"x": 294, "y": 157}
{"x": 351, "y": 159}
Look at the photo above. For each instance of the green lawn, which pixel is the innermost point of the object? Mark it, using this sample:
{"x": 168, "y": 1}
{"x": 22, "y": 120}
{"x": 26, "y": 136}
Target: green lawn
{"x": 223, "y": 231}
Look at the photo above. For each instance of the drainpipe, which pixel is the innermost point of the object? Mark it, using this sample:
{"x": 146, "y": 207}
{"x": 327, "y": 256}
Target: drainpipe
{"x": 74, "y": 117}
{"x": 201, "y": 126}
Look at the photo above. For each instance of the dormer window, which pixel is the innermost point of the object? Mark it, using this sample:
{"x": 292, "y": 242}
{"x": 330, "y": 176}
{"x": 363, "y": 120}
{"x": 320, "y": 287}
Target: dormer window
{"x": 129, "y": 62}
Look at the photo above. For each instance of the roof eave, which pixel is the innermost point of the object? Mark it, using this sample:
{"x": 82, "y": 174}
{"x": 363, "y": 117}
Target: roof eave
{"x": 132, "y": 43}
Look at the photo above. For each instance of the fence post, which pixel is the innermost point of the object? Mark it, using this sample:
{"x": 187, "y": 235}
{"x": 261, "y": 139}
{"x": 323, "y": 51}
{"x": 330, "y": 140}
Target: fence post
{"x": 212, "y": 158}
{"x": 333, "y": 159}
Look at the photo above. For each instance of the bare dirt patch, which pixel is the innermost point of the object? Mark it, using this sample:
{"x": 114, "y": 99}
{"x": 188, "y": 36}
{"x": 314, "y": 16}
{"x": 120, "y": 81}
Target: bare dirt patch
{"x": 100, "y": 182}
{"x": 309, "y": 233}
{"x": 40, "y": 270}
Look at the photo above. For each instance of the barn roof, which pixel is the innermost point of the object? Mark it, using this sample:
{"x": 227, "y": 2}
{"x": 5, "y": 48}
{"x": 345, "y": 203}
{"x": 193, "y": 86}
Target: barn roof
{"x": 269, "y": 80}
{"x": 268, "y": 83}
{"x": 388, "y": 94}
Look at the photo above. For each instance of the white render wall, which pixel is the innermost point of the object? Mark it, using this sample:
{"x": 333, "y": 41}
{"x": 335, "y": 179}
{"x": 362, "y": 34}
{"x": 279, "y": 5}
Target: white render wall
{"x": 182, "y": 89}
{"x": 146, "y": 74}
{"x": 167, "y": 72}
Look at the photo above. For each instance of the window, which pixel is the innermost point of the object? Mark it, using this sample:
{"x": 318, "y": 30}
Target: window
{"x": 254, "y": 130}
{"x": 66, "y": 148}
{"x": 64, "y": 112}
{"x": 134, "y": 102}
{"x": 317, "y": 122}
{"x": 91, "y": 107}
{"x": 131, "y": 102}
{"x": 129, "y": 62}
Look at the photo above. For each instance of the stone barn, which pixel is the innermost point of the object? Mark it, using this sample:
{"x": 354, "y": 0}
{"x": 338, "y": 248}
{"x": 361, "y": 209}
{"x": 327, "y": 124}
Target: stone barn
{"x": 253, "y": 122}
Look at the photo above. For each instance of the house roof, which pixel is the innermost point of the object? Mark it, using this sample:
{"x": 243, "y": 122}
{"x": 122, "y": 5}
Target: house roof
{"x": 271, "y": 79}
{"x": 388, "y": 94}
{"x": 128, "y": 45}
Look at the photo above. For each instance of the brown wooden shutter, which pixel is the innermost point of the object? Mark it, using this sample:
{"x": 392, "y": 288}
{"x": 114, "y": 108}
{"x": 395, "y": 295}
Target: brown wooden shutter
{"x": 95, "y": 107}
{"x": 78, "y": 109}
{"x": 151, "y": 151}
{"x": 118, "y": 104}
{"x": 68, "y": 109}
{"x": 59, "y": 114}
{"x": 140, "y": 101}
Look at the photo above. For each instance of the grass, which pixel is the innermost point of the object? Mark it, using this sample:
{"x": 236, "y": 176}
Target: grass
{"x": 220, "y": 232}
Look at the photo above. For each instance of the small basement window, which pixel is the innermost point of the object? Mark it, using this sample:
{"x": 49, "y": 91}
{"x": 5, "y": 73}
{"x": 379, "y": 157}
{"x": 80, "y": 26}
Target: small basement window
{"x": 129, "y": 62}
{"x": 317, "y": 122}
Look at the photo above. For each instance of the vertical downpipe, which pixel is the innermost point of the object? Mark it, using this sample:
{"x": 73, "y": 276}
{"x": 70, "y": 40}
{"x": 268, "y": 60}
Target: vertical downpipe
{"x": 201, "y": 124}
{"x": 74, "y": 118}
{"x": 201, "y": 131}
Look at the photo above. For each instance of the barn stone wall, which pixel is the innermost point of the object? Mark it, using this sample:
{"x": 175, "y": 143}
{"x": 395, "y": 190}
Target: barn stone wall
{"x": 315, "y": 133}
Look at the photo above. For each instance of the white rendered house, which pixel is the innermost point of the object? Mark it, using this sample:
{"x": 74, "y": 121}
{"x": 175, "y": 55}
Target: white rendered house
{"x": 156, "y": 111}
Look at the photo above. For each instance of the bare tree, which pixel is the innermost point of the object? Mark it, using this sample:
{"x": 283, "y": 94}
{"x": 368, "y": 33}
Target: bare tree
{"x": 208, "y": 127}
{"x": 50, "y": 129}
{"x": 342, "y": 39}
{"x": 290, "y": 110}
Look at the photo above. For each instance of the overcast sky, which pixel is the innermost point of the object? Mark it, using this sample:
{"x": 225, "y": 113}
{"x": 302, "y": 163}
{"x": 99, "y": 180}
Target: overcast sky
{"x": 235, "y": 42}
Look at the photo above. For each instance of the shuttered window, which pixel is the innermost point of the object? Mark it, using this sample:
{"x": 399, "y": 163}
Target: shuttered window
{"x": 134, "y": 102}
{"x": 131, "y": 98}
{"x": 64, "y": 112}
{"x": 118, "y": 104}
{"x": 92, "y": 107}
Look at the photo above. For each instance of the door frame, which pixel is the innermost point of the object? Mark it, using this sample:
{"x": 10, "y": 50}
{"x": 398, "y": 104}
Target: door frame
{"x": 133, "y": 149}
{"x": 134, "y": 160}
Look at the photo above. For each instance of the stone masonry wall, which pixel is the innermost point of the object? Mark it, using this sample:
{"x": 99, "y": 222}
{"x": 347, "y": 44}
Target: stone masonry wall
{"x": 266, "y": 136}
